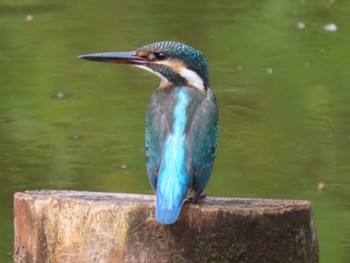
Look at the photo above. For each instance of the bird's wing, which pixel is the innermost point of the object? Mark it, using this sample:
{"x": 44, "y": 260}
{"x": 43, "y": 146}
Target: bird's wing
{"x": 157, "y": 128}
{"x": 202, "y": 147}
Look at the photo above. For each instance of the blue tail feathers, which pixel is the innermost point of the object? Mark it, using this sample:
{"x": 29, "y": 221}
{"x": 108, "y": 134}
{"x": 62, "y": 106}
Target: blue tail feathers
{"x": 167, "y": 213}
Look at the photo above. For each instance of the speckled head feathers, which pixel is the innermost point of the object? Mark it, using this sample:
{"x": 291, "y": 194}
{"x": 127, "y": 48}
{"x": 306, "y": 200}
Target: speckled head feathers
{"x": 178, "y": 53}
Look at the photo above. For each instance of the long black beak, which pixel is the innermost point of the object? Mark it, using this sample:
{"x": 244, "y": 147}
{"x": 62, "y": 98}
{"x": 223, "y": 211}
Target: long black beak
{"x": 128, "y": 57}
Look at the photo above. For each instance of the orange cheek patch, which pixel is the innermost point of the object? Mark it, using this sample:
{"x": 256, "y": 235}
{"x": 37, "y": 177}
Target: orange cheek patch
{"x": 142, "y": 54}
{"x": 176, "y": 65}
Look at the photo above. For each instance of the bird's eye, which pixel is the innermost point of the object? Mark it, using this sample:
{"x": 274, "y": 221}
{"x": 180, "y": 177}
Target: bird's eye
{"x": 160, "y": 55}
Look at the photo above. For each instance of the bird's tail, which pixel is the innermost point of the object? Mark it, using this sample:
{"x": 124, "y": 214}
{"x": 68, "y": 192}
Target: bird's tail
{"x": 167, "y": 211}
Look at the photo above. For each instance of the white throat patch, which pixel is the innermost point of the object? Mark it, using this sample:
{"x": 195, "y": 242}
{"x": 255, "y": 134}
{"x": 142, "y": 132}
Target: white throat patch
{"x": 163, "y": 80}
{"x": 192, "y": 78}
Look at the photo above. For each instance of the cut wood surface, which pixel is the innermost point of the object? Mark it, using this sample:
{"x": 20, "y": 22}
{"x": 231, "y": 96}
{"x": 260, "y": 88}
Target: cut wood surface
{"x": 70, "y": 226}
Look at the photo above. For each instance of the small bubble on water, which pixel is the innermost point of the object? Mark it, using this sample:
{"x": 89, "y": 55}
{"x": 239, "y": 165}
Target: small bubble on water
{"x": 60, "y": 95}
{"x": 300, "y": 25}
{"x": 29, "y": 18}
{"x": 330, "y": 27}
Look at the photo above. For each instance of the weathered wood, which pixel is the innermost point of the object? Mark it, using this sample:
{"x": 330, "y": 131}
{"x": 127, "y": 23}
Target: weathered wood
{"x": 66, "y": 226}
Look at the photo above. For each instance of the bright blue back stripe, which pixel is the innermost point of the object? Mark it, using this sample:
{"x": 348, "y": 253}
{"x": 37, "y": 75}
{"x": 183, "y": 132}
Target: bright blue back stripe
{"x": 172, "y": 184}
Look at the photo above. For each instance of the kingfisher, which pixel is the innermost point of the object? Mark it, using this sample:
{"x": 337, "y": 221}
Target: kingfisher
{"x": 181, "y": 122}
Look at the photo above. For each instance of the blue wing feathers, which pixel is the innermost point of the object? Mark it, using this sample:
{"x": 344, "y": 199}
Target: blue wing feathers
{"x": 204, "y": 137}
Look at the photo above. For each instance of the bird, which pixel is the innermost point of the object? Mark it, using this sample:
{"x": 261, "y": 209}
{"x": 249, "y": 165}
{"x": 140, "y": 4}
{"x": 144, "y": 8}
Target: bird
{"x": 182, "y": 121}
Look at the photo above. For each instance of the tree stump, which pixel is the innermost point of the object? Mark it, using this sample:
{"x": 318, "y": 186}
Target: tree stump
{"x": 70, "y": 226}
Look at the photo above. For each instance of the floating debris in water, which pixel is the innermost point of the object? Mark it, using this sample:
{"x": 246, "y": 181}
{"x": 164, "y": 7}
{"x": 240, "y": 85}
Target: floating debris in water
{"x": 321, "y": 186}
{"x": 269, "y": 70}
{"x": 123, "y": 166}
{"x": 301, "y": 25}
{"x": 29, "y": 17}
{"x": 330, "y": 27}
{"x": 75, "y": 136}
{"x": 331, "y": 2}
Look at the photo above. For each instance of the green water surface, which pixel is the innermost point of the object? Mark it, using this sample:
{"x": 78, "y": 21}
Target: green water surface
{"x": 282, "y": 82}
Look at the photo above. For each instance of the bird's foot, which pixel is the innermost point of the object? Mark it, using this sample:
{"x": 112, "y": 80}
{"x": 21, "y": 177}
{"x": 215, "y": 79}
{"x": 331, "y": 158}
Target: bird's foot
{"x": 189, "y": 200}
{"x": 202, "y": 197}
{"x": 193, "y": 200}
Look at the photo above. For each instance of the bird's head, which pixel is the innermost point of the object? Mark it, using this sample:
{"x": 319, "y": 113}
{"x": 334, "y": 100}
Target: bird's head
{"x": 175, "y": 63}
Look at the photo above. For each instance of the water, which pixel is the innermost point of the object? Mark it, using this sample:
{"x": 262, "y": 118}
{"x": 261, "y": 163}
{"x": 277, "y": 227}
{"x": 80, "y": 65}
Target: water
{"x": 281, "y": 80}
